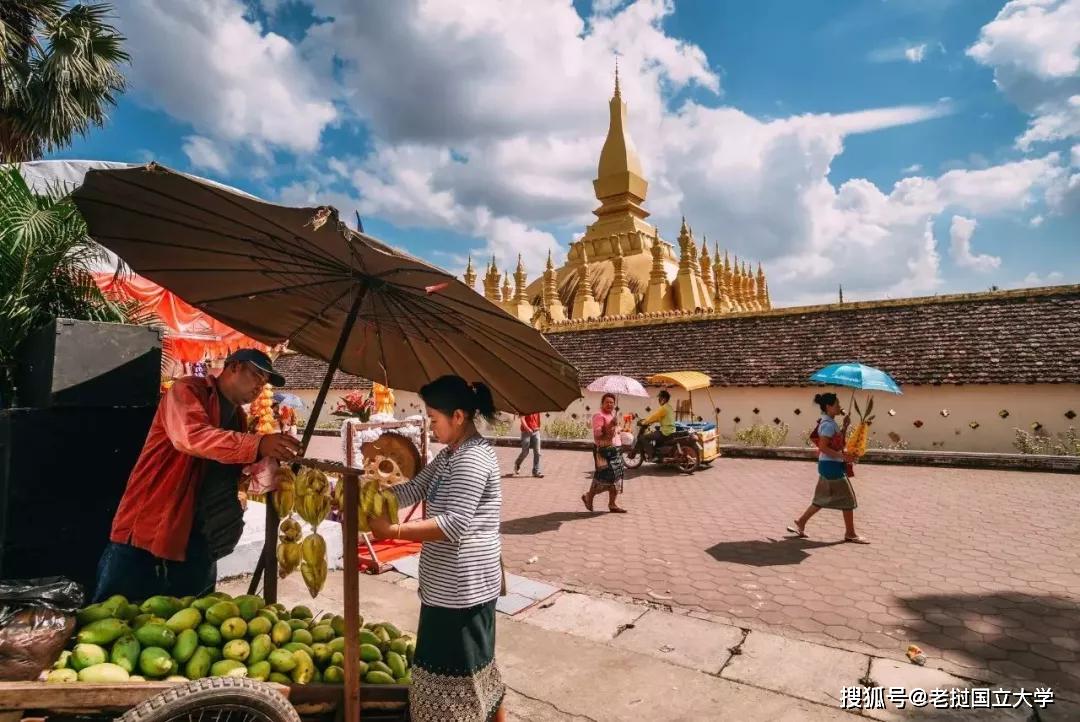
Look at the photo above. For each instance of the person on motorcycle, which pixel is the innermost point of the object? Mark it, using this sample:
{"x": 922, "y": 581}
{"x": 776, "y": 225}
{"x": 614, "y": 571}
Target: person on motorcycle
{"x": 665, "y": 415}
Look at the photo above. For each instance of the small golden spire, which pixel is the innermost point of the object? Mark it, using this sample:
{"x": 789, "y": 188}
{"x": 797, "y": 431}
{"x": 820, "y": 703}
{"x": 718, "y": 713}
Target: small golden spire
{"x": 520, "y": 295}
{"x": 507, "y": 290}
{"x": 617, "y": 93}
{"x": 550, "y": 265}
{"x": 470, "y": 274}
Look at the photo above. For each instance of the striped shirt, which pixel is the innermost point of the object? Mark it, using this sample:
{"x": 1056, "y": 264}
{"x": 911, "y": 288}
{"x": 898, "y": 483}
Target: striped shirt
{"x": 463, "y": 493}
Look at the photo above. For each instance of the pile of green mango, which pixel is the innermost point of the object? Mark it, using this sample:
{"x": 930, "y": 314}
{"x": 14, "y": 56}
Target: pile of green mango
{"x": 171, "y": 639}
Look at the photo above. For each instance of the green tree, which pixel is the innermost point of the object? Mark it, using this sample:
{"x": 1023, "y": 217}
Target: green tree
{"x": 59, "y": 74}
{"x": 47, "y": 262}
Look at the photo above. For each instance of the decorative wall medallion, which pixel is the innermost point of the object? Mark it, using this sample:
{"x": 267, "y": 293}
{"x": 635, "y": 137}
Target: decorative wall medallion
{"x": 894, "y": 437}
{"x": 798, "y": 411}
{"x": 973, "y": 424}
{"x": 892, "y": 412}
{"x": 573, "y": 416}
{"x": 700, "y": 419}
{"x": 1036, "y": 426}
{"x": 1070, "y": 414}
{"x": 917, "y": 423}
{"x": 648, "y": 409}
{"x": 757, "y": 410}
{"x": 737, "y": 419}
{"x": 1004, "y": 413}
{"x": 776, "y": 420}
{"x": 587, "y": 408}
{"x": 945, "y": 413}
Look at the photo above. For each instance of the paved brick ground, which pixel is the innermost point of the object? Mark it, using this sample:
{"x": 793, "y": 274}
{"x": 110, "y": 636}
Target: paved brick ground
{"x": 980, "y": 568}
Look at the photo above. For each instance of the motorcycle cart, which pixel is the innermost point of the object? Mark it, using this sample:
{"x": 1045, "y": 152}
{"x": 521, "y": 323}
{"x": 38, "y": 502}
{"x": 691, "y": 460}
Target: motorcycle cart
{"x": 706, "y": 431}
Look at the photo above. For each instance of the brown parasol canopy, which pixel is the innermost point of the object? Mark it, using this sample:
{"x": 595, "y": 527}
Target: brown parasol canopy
{"x": 300, "y": 275}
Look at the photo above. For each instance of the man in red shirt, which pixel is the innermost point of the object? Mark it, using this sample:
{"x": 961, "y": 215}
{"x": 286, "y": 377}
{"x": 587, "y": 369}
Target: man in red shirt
{"x": 530, "y": 439}
{"x": 180, "y": 512}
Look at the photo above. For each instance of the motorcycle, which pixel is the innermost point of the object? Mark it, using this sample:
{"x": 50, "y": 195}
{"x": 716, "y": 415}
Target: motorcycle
{"x": 681, "y": 450}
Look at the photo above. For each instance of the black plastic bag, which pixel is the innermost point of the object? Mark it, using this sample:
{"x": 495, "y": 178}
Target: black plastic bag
{"x": 37, "y": 617}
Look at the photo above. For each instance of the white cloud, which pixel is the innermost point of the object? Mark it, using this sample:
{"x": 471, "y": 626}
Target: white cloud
{"x": 1036, "y": 221}
{"x": 203, "y": 153}
{"x": 205, "y": 63}
{"x": 913, "y": 168}
{"x": 960, "y": 233}
{"x": 916, "y": 53}
{"x": 1034, "y": 48}
{"x": 1033, "y": 279}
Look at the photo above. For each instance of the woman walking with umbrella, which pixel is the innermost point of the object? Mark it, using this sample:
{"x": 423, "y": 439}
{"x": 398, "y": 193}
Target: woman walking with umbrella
{"x": 608, "y": 475}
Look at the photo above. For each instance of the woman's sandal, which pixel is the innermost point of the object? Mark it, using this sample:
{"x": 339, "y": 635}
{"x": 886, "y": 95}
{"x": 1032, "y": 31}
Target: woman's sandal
{"x": 794, "y": 529}
{"x": 616, "y": 510}
{"x": 587, "y": 501}
{"x": 856, "y": 540}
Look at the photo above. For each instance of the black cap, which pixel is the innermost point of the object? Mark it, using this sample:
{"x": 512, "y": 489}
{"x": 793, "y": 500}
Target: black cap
{"x": 260, "y": 361}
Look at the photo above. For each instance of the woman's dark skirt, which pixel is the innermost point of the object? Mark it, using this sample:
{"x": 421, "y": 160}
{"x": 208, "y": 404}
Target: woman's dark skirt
{"x": 454, "y": 675}
{"x": 833, "y": 489}
{"x": 609, "y": 470}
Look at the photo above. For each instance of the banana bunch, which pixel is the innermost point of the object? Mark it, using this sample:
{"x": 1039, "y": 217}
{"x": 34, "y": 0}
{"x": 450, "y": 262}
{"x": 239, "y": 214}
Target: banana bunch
{"x": 312, "y": 496}
{"x": 284, "y": 496}
{"x": 313, "y": 564}
{"x": 288, "y": 558}
{"x": 376, "y": 500}
{"x": 290, "y": 530}
{"x": 859, "y": 437}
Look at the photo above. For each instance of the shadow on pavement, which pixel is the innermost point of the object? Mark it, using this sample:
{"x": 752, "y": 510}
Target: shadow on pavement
{"x": 1020, "y": 636}
{"x": 544, "y": 522}
{"x": 771, "y": 553}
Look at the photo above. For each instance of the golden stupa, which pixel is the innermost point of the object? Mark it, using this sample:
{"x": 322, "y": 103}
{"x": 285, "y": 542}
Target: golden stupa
{"x": 622, "y": 269}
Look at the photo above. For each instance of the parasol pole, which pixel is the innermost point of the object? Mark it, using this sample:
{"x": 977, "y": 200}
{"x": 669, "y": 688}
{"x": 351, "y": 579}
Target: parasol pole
{"x": 267, "y": 567}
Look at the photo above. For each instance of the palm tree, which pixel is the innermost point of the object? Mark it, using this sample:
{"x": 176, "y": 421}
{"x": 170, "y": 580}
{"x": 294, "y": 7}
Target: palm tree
{"x": 46, "y": 269}
{"x": 59, "y": 73}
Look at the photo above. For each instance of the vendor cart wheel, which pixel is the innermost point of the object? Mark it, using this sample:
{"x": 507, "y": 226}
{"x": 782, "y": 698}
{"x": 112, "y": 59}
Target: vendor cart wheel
{"x": 216, "y": 699}
{"x": 688, "y": 460}
{"x": 633, "y": 462}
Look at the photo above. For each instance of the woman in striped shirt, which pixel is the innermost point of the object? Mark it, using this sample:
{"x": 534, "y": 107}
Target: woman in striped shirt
{"x": 455, "y": 678}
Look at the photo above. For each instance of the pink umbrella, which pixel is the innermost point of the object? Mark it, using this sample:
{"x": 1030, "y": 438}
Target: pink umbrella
{"x": 618, "y": 385}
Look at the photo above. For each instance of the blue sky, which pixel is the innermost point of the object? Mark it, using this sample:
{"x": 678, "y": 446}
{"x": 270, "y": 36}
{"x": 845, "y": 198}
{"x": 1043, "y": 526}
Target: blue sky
{"x": 901, "y": 147}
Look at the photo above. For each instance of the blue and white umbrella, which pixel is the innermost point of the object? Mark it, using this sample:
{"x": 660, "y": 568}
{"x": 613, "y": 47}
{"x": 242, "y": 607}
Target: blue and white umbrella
{"x": 857, "y": 376}
{"x": 292, "y": 400}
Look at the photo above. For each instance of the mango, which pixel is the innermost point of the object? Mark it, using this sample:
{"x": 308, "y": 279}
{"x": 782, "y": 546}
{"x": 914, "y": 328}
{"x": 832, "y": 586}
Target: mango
{"x": 370, "y": 653}
{"x": 249, "y": 605}
{"x": 222, "y": 611}
{"x": 337, "y": 644}
{"x": 301, "y": 612}
{"x": 391, "y": 630}
{"x": 233, "y": 628}
{"x": 177, "y": 678}
{"x": 215, "y": 654}
{"x": 209, "y": 635}
{"x": 199, "y": 665}
{"x": 228, "y": 668}
{"x": 316, "y": 676}
{"x": 259, "y": 625}
{"x": 125, "y": 653}
{"x": 155, "y": 635}
{"x": 281, "y": 633}
{"x": 223, "y": 596}
{"x": 184, "y": 619}
{"x": 302, "y": 636}
{"x": 279, "y": 678}
{"x": 104, "y": 673}
{"x": 62, "y": 676}
{"x": 368, "y": 637}
{"x": 63, "y": 661}
{"x": 187, "y": 601}
{"x": 204, "y": 604}
{"x": 93, "y": 613}
{"x": 236, "y": 649}
{"x": 186, "y": 644}
{"x": 136, "y": 678}
{"x": 268, "y": 613}
{"x": 321, "y": 653}
{"x": 261, "y": 647}
{"x": 304, "y": 671}
{"x": 144, "y": 619}
{"x": 156, "y": 662}
{"x": 337, "y": 659}
{"x": 379, "y": 678}
{"x": 400, "y": 645}
{"x": 86, "y": 655}
{"x": 115, "y": 602}
{"x": 396, "y": 663}
{"x": 406, "y": 679}
{"x": 322, "y": 633}
{"x": 299, "y": 647}
{"x": 334, "y": 675}
{"x": 380, "y": 667}
{"x": 161, "y": 606}
{"x": 260, "y": 671}
{"x": 127, "y": 612}
{"x": 338, "y": 625}
{"x": 383, "y": 635}
{"x": 411, "y": 651}
{"x": 282, "y": 660}
{"x": 298, "y": 624}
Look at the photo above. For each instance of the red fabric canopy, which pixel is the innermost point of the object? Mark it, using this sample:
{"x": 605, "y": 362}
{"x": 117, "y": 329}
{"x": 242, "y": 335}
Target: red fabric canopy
{"x": 190, "y": 336}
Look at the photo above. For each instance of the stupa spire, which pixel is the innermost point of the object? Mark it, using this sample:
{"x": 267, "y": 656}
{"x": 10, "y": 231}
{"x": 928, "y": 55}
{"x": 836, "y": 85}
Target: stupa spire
{"x": 470, "y": 274}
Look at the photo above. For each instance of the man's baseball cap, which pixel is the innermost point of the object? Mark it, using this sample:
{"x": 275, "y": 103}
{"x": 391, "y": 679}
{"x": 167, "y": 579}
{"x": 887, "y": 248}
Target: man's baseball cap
{"x": 260, "y": 361}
